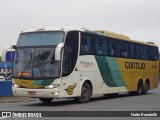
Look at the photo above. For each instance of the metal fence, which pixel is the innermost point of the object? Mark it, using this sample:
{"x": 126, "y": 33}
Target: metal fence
{"x": 6, "y": 88}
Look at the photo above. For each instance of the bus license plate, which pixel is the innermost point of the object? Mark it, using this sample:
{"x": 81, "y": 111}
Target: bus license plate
{"x": 31, "y": 93}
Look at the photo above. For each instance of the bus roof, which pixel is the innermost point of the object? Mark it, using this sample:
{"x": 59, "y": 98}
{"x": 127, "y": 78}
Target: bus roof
{"x": 52, "y": 29}
{"x": 98, "y": 32}
{"x": 123, "y": 37}
{"x": 113, "y": 34}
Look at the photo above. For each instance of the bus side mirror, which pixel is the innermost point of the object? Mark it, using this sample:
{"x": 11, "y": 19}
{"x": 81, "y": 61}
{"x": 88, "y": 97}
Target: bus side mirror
{"x": 8, "y": 53}
{"x": 58, "y": 51}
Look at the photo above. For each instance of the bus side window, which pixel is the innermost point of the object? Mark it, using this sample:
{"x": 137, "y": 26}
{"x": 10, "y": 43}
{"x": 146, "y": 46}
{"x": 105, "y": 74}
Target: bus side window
{"x": 109, "y": 48}
{"x": 99, "y": 46}
{"x": 124, "y": 51}
{"x": 114, "y": 49}
{"x": 143, "y": 52}
{"x": 93, "y": 48}
{"x": 135, "y": 51}
{"x": 103, "y": 48}
{"x": 84, "y": 46}
{"x": 155, "y": 53}
{"x": 149, "y": 53}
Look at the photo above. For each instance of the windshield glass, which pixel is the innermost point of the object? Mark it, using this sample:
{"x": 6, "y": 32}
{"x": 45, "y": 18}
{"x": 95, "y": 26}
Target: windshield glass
{"x": 40, "y": 38}
{"x": 36, "y": 63}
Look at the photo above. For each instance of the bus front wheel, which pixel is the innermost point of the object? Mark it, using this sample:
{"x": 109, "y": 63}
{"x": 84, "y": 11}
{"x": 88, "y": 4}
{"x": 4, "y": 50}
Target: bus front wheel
{"x": 86, "y": 93}
{"x": 46, "y": 100}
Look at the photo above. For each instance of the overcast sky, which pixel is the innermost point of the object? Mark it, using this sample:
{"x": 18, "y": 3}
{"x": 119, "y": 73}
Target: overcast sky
{"x": 138, "y": 19}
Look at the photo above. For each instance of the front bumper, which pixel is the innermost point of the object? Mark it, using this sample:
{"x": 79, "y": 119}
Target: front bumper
{"x": 36, "y": 93}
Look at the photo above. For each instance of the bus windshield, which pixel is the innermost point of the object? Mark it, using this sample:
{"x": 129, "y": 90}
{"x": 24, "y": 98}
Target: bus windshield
{"x": 35, "y": 55}
{"x": 36, "y": 63}
{"x": 40, "y": 38}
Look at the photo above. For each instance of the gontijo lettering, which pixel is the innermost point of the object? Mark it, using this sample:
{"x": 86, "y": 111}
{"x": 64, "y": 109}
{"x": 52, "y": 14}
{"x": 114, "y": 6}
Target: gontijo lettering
{"x": 134, "y": 65}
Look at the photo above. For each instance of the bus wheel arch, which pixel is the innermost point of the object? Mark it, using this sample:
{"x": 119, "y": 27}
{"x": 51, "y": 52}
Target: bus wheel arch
{"x": 146, "y": 86}
{"x": 90, "y": 83}
{"x": 86, "y": 92}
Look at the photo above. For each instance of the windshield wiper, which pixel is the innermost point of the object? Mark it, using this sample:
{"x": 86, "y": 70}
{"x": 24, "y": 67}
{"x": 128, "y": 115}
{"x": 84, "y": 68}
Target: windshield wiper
{"x": 28, "y": 63}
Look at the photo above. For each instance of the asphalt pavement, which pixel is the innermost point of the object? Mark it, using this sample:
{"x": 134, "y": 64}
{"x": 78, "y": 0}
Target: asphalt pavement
{"x": 143, "y": 103}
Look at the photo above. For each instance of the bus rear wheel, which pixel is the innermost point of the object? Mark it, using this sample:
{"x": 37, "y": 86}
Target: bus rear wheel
{"x": 86, "y": 93}
{"x": 146, "y": 87}
{"x": 139, "y": 88}
{"x": 46, "y": 100}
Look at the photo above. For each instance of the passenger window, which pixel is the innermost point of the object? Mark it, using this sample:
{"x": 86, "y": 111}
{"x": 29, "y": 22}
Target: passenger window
{"x": 99, "y": 48}
{"x": 84, "y": 46}
{"x": 103, "y": 48}
{"x": 88, "y": 44}
{"x": 93, "y": 46}
{"x": 114, "y": 49}
{"x": 124, "y": 50}
{"x": 135, "y": 51}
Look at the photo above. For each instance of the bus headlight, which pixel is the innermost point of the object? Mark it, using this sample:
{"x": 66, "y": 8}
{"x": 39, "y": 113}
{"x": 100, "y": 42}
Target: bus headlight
{"x": 52, "y": 86}
{"x": 15, "y": 85}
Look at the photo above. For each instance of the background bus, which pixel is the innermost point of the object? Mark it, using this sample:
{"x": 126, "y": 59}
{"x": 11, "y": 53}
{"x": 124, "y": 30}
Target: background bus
{"x": 77, "y": 63}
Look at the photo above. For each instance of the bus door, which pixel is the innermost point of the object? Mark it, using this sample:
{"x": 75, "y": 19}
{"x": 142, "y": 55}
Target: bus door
{"x": 70, "y": 74}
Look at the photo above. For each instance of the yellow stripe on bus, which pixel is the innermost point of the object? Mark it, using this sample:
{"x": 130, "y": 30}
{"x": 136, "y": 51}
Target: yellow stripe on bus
{"x": 26, "y": 83}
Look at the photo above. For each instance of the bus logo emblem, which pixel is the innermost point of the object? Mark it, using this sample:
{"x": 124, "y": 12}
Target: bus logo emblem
{"x": 70, "y": 89}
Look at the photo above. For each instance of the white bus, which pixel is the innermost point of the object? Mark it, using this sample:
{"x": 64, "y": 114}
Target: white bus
{"x": 74, "y": 63}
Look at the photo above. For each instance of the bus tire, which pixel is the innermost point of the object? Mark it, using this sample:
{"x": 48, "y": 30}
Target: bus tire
{"x": 46, "y": 100}
{"x": 139, "y": 88}
{"x": 86, "y": 92}
{"x": 146, "y": 87}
